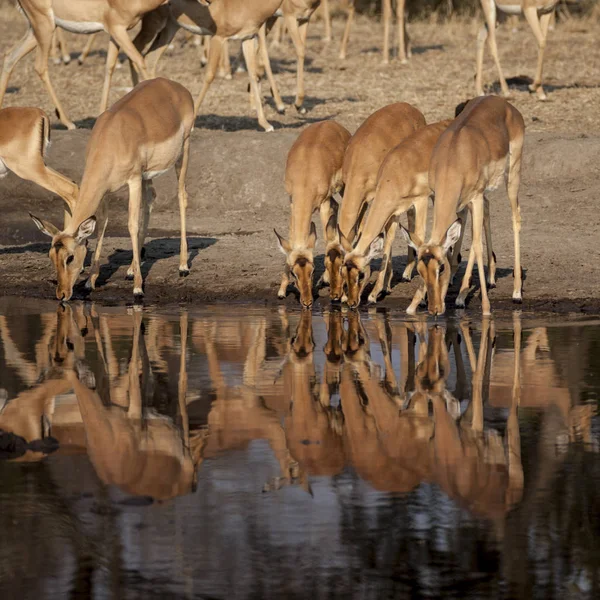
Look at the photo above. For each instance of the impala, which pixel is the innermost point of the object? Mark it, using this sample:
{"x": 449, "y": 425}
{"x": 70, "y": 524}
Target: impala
{"x": 24, "y": 140}
{"x": 313, "y": 175}
{"x": 113, "y": 16}
{"x": 482, "y": 146}
{"x": 538, "y": 14}
{"x": 140, "y": 137}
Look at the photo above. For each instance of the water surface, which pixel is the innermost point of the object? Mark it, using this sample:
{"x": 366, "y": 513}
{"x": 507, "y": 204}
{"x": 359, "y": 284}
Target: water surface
{"x": 261, "y": 453}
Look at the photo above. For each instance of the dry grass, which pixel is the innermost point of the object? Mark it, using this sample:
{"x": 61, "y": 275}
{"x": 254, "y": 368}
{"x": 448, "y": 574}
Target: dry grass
{"x": 438, "y": 77}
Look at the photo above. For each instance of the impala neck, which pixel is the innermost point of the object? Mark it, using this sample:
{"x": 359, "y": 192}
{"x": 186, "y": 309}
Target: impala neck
{"x": 444, "y": 211}
{"x": 300, "y": 222}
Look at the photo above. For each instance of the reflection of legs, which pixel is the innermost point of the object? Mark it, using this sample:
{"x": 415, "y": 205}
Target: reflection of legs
{"x": 515, "y": 467}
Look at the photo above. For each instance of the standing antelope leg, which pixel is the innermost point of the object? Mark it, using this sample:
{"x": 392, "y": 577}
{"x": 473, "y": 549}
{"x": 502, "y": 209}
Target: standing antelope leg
{"x": 111, "y": 61}
{"x": 250, "y": 58}
{"x": 119, "y": 35}
{"x": 13, "y": 56}
{"x": 326, "y": 20}
{"x": 135, "y": 203}
{"x": 90, "y": 284}
{"x": 539, "y": 26}
{"x": 346, "y": 37}
{"x": 298, "y": 35}
{"x": 285, "y": 281}
{"x": 489, "y": 10}
{"x": 326, "y": 211}
{"x": 513, "y": 182}
{"x": 262, "y": 44}
{"x": 225, "y": 65}
{"x": 181, "y": 168}
{"x": 87, "y": 48}
{"x": 404, "y": 52}
{"x": 387, "y": 19}
{"x": 477, "y": 247}
{"x": 59, "y": 50}
{"x": 214, "y": 56}
{"x": 491, "y": 278}
{"x": 384, "y": 277}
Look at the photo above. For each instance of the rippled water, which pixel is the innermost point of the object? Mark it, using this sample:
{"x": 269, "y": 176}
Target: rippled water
{"x": 260, "y": 453}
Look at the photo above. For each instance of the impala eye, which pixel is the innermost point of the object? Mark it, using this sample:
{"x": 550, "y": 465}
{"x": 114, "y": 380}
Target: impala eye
{"x": 441, "y": 269}
{"x": 70, "y": 259}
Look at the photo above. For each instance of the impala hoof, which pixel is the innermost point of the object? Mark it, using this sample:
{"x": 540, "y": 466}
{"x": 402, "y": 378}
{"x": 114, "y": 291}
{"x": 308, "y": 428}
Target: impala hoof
{"x": 129, "y": 277}
{"x": 269, "y": 129}
{"x": 518, "y": 300}
{"x": 301, "y": 110}
{"x": 491, "y": 286}
{"x": 372, "y": 299}
{"x": 184, "y": 272}
{"x": 138, "y": 294}
{"x": 281, "y": 109}
{"x": 281, "y": 296}
{"x": 405, "y": 279}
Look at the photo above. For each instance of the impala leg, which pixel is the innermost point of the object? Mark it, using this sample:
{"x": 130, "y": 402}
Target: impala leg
{"x": 482, "y": 37}
{"x": 326, "y": 20}
{"x": 387, "y": 18}
{"x": 225, "y": 65}
{"x": 161, "y": 44}
{"x": 148, "y": 195}
{"x": 489, "y": 9}
{"x": 87, "y": 48}
{"x": 262, "y": 44}
{"x": 539, "y": 26}
{"x": 512, "y": 187}
{"x": 403, "y": 40}
{"x": 346, "y": 37}
{"x": 135, "y": 204}
{"x": 119, "y": 35}
{"x": 152, "y": 23}
{"x": 15, "y": 54}
{"x": 250, "y": 58}
{"x": 327, "y": 208}
{"x": 111, "y": 60}
{"x": 298, "y": 35}
{"x": 102, "y": 215}
{"x": 411, "y": 254}
{"x": 285, "y": 281}
{"x": 384, "y": 277}
{"x": 181, "y": 168}
{"x": 491, "y": 278}
{"x": 417, "y": 299}
{"x": 456, "y": 256}
{"x": 214, "y": 56}
{"x": 477, "y": 247}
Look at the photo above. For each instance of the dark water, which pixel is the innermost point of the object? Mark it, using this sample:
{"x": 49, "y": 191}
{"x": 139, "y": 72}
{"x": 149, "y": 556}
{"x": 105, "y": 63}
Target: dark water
{"x": 261, "y": 453}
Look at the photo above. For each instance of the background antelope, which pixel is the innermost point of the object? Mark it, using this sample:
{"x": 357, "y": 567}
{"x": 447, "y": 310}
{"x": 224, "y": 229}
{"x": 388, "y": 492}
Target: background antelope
{"x": 24, "y": 141}
{"x": 472, "y": 156}
{"x": 313, "y": 175}
{"x": 538, "y": 14}
{"x": 114, "y": 16}
{"x": 141, "y": 137}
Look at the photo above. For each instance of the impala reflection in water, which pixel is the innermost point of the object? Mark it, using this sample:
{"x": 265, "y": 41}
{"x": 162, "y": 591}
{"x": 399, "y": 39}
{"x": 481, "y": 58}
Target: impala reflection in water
{"x": 265, "y": 453}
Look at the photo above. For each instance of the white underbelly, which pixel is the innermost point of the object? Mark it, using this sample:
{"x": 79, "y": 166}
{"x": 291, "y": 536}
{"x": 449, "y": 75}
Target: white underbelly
{"x": 510, "y": 9}
{"x": 154, "y": 174}
{"x": 195, "y": 29}
{"x": 3, "y": 169}
{"x": 85, "y": 27}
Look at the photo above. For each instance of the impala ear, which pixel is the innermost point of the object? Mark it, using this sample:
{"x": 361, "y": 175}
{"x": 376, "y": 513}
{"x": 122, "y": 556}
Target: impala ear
{"x": 345, "y": 243}
{"x": 85, "y": 229}
{"x": 284, "y": 245}
{"x": 452, "y": 235}
{"x": 312, "y": 238}
{"x": 45, "y": 226}
{"x": 413, "y": 239}
{"x": 375, "y": 248}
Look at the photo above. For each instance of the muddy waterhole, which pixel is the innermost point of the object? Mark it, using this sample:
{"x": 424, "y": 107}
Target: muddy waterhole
{"x": 244, "y": 452}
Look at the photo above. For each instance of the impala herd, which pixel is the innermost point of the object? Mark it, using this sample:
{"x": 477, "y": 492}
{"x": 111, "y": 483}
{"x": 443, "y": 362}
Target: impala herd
{"x": 360, "y": 184}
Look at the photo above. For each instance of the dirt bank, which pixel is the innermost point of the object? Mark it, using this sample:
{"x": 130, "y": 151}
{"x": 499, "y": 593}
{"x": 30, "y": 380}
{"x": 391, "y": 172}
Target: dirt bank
{"x": 237, "y": 197}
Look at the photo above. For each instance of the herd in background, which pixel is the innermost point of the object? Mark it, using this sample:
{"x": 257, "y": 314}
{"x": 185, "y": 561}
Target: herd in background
{"x": 135, "y": 410}
{"x": 390, "y": 166}
{"x": 221, "y": 20}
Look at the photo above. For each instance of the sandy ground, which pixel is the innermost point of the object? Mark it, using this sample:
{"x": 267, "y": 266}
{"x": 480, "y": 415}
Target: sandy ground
{"x": 236, "y": 175}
